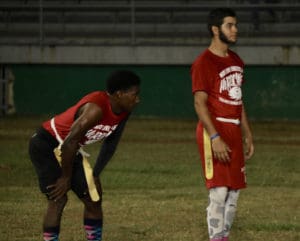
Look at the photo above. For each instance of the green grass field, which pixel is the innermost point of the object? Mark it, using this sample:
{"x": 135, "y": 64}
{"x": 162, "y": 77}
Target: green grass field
{"x": 153, "y": 187}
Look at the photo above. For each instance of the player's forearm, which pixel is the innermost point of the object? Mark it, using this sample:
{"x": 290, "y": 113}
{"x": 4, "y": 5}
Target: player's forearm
{"x": 104, "y": 156}
{"x": 71, "y": 146}
{"x": 248, "y": 139}
{"x": 108, "y": 149}
{"x": 245, "y": 125}
{"x": 69, "y": 150}
{"x": 204, "y": 115}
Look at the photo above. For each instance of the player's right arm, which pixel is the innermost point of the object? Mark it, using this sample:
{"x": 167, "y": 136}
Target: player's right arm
{"x": 87, "y": 117}
{"x": 219, "y": 148}
{"x": 108, "y": 148}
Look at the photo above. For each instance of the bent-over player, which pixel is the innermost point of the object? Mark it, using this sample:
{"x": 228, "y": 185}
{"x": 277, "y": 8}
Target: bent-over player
{"x": 61, "y": 164}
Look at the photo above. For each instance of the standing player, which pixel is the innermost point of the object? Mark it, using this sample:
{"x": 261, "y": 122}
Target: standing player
{"x": 61, "y": 164}
{"x": 217, "y": 76}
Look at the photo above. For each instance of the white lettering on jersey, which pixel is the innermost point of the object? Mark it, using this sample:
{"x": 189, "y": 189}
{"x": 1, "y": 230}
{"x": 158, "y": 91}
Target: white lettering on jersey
{"x": 98, "y": 132}
{"x": 230, "y": 69}
{"x": 231, "y": 81}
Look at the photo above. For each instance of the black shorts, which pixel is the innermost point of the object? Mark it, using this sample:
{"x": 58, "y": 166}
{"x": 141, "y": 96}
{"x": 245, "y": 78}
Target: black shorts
{"x": 48, "y": 170}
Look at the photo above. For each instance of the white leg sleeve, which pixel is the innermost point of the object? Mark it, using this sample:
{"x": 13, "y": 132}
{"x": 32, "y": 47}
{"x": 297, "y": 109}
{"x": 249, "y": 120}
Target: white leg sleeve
{"x": 215, "y": 212}
{"x": 230, "y": 210}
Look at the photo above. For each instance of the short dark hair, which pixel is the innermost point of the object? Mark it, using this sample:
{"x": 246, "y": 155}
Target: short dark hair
{"x": 121, "y": 80}
{"x": 216, "y": 17}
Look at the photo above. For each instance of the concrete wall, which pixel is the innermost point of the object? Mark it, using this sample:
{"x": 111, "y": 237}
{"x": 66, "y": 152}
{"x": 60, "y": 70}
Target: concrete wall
{"x": 136, "y": 55}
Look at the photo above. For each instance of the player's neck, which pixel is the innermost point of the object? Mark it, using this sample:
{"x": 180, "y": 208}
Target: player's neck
{"x": 114, "y": 105}
{"x": 218, "y": 48}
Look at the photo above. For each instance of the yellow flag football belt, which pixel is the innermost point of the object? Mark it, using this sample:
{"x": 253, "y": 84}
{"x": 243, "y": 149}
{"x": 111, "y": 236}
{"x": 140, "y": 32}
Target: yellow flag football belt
{"x": 208, "y": 159}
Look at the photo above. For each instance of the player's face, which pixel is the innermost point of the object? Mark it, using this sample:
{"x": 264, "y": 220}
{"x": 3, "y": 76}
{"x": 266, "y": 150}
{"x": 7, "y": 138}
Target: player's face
{"x": 129, "y": 98}
{"x": 228, "y": 30}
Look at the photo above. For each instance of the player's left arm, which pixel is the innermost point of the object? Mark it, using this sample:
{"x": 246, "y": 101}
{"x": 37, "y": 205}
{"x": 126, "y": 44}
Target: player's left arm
{"x": 88, "y": 116}
{"x": 108, "y": 148}
{"x": 248, "y": 139}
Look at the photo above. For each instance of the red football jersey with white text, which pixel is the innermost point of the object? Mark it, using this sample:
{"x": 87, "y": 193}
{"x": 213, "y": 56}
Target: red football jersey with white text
{"x": 221, "y": 78}
{"x": 104, "y": 128}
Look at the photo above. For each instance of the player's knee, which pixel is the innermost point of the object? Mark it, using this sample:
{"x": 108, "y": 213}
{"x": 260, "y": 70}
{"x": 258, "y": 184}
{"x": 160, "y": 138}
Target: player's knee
{"x": 218, "y": 195}
{"x": 89, "y": 204}
{"x": 93, "y": 209}
{"x": 87, "y": 198}
{"x": 233, "y": 196}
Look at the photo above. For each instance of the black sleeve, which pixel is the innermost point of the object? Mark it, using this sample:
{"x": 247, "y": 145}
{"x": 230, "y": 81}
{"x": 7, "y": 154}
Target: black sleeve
{"x": 108, "y": 148}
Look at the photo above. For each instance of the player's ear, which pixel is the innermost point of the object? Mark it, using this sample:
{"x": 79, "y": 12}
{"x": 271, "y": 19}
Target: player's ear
{"x": 215, "y": 30}
{"x": 118, "y": 94}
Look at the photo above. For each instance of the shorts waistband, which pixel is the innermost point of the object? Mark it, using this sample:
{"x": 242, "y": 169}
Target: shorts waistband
{"x": 228, "y": 120}
{"x": 43, "y": 133}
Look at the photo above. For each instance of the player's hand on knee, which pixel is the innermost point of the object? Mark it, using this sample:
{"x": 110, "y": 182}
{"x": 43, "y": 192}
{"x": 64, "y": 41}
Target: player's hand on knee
{"x": 59, "y": 189}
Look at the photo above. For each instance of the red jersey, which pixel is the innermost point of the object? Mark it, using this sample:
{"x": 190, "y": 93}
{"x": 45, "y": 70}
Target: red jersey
{"x": 104, "y": 128}
{"x": 221, "y": 78}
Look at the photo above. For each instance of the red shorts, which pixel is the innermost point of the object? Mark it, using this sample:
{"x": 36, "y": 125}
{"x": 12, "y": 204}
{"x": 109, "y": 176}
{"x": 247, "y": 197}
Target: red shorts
{"x": 232, "y": 174}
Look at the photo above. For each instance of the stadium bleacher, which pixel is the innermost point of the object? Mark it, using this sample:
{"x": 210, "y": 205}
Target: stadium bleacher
{"x": 141, "y": 22}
